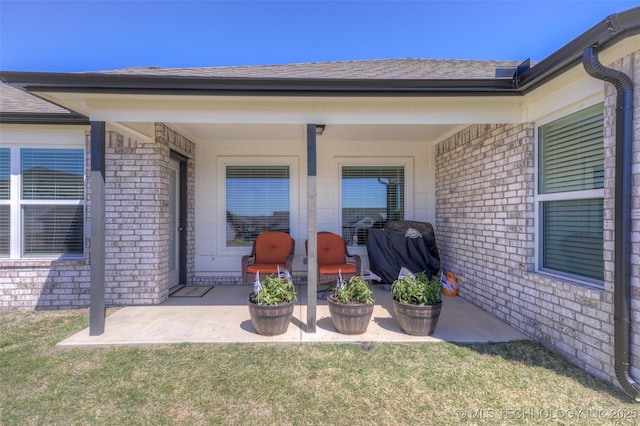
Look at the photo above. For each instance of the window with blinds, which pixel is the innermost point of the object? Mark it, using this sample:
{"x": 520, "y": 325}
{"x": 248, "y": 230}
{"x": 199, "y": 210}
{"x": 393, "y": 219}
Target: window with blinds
{"x": 257, "y": 200}
{"x": 572, "y": 152}
{"x": 571, "y": 171}
{"x": 52, "y": 201}
{"x": 371, "y": 196}
{"x": 5, "y": 193}
{"x": 52, "y": 174}
{"x": 572, "y": 235}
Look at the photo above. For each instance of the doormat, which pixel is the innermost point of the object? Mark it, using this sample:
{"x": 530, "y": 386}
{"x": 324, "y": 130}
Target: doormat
{"x": 191, "y": 291}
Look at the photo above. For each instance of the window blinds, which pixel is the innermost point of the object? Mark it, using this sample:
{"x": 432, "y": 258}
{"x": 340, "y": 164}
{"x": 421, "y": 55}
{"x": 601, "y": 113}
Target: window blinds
{"x": 5, "y": 173}
{"x": 371, "y": 196}
{"x": 571, "y": 152}
{"x": 571, "y": 160}
{"x": 4, "y": 230}
{"x": 572, "y": 237}
{"x": 52, "y": 230}
{"x": 55, "y": 179}
{"x": 258, "y": 200}
{"x": 5, "y": 169}
{"x": 52, "y": 174}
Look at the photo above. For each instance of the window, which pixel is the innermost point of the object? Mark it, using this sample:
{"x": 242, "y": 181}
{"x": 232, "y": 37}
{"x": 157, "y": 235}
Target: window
{"x": 258, "y": 198}
{"x": 5, "y": 192}
{"x": 571, "y": 194}
{"x": 49, "y": 201}
{"x": 371, "y": 196}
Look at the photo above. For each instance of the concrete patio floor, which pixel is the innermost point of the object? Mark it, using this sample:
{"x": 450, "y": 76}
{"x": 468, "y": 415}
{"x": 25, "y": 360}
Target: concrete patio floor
{"x": 222, "y": 316}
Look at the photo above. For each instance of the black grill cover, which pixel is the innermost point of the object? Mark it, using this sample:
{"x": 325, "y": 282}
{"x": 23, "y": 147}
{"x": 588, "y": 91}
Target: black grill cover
{"x": 402, "y": 243}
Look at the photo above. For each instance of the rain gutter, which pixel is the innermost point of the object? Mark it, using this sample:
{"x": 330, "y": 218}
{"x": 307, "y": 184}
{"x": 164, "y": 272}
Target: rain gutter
{"x": 251, "y": 86}
{"x": 42, "y": 118}
{"x": 622, "y": 216}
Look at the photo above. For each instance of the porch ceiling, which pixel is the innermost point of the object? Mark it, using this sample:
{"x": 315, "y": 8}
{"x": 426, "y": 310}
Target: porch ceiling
{"x": 207, "y": 118}
{"x": 211, "y": 132}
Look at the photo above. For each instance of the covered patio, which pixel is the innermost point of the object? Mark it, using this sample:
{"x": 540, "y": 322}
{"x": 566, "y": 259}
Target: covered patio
{"x": 222, "y": 316}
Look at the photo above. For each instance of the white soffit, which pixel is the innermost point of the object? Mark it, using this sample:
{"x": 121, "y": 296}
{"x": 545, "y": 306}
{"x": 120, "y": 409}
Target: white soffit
{"x": 298, "y": 110}
{"x": 212, "y": 132}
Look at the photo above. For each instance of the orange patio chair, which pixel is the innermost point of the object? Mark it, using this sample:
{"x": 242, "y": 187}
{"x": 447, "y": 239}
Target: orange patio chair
{"x": 270, "y": 250}
{"x": 333, "y": 257}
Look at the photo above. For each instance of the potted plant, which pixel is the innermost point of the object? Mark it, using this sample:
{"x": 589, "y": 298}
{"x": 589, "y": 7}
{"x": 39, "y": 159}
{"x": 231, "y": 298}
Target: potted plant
{"x": 351, "y": 306}
{"x": 271, "y": 304}
{"x": 417, "y": 300}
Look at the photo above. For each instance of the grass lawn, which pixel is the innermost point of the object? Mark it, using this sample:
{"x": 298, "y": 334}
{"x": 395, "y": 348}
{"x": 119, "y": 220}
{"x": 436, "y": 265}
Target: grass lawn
{"x": 339, "y": 384}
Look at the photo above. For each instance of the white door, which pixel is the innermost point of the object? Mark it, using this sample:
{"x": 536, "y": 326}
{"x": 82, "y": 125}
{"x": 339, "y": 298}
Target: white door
{"x": 174, "y": 223}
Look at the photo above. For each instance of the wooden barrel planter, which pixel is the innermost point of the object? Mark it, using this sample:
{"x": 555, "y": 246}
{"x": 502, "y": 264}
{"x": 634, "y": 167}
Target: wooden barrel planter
{"x": 417, "y": 320}
{"x": 350, "y": 318}
{"x": 271, "y": 320}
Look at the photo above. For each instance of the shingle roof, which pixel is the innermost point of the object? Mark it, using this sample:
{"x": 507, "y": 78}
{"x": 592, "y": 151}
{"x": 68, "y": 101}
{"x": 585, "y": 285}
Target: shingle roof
{"x": 15, "y": 101}
{"x": 368, "y": 69}
{"x": 17, "y": 106}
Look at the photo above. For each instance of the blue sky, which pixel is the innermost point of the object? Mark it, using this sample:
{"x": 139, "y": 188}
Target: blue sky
{"x": 67, "y": 36}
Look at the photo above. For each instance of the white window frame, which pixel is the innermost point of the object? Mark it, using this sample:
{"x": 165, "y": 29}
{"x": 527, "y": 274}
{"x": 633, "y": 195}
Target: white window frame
{"x": 340, "y": 162}
{"x": 222, "y": 163}
{"x": 558, "y": 196}
{"x": 16, "y": 203}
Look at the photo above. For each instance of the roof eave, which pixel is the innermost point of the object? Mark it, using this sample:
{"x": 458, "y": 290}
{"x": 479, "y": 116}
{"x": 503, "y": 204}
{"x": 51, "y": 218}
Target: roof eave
{"x": 241, "y": 86}
{"x": 42, "y": 118}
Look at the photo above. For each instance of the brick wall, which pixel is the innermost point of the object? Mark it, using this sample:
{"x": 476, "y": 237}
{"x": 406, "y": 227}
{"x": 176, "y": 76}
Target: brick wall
{"x": 137, "y": 233}
{"x": 485, "y": 227}
{"x": 46, "y": 284}
{"x": 137, "y": 215}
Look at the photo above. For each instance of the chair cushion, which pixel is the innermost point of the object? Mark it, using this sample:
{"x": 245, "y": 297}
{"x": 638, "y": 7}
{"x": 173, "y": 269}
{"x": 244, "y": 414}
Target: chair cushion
{"x": 264, "y": 268}
{"x": 273, "y": 247}
{"x": 331, "y": 249}
{"x": 333, "y": 269}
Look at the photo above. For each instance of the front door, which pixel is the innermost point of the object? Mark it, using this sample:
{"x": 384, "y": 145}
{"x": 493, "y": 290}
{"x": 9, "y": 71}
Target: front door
{"x": 174, "y": 223}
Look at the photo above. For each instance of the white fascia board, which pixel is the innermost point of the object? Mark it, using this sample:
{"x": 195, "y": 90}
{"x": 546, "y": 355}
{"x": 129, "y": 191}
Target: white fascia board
{"x": 39, "y": 134}
{"x": 235, "y": 109}
{"x": 621, "y": 49}
{"x": 574, "y": 89}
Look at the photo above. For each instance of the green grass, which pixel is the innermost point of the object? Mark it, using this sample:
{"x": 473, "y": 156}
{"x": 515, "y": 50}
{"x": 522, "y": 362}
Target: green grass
{"x": 341, "y": 384}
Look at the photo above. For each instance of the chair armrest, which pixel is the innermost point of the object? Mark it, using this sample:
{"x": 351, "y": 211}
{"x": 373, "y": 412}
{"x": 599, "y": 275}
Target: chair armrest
{"x": 289, "y": 264}
{"x": 355, "y": 259}
{"x": 247, "y": 260}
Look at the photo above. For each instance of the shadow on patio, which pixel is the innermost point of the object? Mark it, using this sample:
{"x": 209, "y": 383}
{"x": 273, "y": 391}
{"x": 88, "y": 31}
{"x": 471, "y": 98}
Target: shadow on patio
{"x": 222, "y": 316}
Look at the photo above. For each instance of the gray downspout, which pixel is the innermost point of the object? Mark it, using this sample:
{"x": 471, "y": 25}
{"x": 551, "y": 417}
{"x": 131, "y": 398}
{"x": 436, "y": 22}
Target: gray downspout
{"x": 622, "y": 216}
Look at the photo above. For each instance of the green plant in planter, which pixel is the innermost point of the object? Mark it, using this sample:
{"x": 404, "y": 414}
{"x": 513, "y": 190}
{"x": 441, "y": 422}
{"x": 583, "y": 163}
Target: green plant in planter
{"x": 351, "y": 306}
{"x": 274, "y": 291}
{"x": 356, "y": 290}
{"x": 418, "y": 290}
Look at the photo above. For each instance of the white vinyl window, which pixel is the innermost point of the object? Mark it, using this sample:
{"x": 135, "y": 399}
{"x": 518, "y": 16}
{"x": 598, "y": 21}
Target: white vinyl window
{"x": 42, "y": 206}
{"x": 570, "y": 195}
{"x": 258, "y": 199}
{"x": 371, "y": 196}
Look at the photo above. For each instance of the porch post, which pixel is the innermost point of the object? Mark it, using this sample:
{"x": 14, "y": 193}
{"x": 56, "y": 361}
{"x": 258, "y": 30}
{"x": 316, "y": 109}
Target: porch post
{"x": 312, "y": 245}
{"x": 97, "y": 313}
